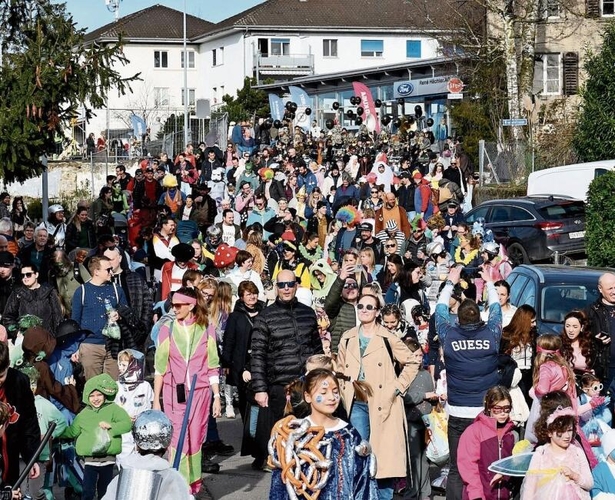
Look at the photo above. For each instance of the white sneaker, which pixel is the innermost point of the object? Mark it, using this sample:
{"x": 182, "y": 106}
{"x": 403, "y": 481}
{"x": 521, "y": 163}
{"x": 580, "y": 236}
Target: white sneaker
{"x": 229, "y": 413}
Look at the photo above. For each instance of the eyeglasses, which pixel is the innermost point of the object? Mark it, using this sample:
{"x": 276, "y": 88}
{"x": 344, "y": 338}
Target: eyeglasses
{"x": 351, "y": 286}
{"x": 496, "y": 410}
{"x": 26, "y": 275}
{"x": 595, "y": 387}
{"x": 369, "y": 307}
{"x": 374, "y": 192}
{"x": 390, "y": 245}
{"x": 109, "y": 270}
{"x": 178, "y": 305}
{"x": 286, "y": 284}
{"x": 112, "y": 247}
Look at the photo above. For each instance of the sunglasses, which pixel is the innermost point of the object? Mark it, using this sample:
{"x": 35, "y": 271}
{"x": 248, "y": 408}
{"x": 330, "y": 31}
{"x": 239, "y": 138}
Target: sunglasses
{"x": 286, "y": 284}
{"x": 369, "y": 307}
{"x": 26, "y": 275}
{"x": 496, "y": 410}
{"x": 351, "y": 286}
{"x": 112, "y": 247}
{"x": 178, "y": 305}
{"x": 109, "y": 270}
{"x": 391, "y": 245}
{"x": 374, "y": 192}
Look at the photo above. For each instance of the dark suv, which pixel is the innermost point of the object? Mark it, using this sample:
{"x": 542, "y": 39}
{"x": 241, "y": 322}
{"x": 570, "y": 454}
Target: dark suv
{"x": 533, "y": 228}
{"x": 553, "y": 291}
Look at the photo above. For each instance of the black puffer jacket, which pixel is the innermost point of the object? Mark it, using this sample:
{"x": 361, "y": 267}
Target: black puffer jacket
{"x": 600, "y": 324}
{"x": 43, "y": 302}
{"x": 284, "y": 336}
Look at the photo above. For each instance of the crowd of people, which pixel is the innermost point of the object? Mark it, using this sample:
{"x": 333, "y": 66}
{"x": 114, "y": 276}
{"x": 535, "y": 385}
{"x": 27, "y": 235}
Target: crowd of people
{"x": 281, "y": 279}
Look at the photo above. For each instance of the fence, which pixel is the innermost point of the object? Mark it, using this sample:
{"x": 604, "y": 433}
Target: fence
{"x": 504, "y": 163}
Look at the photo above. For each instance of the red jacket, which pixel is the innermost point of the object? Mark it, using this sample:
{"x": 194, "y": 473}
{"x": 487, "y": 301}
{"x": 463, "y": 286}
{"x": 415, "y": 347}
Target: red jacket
{"x": 167, "y": 274}
{"x": 481, "y": 448}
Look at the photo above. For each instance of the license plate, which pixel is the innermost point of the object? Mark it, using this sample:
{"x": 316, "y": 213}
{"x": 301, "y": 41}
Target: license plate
{"x": 577, "y": 234}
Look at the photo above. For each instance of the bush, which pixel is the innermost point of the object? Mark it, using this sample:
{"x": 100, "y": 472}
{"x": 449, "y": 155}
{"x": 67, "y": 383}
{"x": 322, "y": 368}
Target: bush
{"x": 485, "y": 193}
{"x": 599, "y": 221}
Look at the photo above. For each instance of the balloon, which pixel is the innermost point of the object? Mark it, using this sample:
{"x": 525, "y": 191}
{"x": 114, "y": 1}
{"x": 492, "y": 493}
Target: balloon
{"x": 329, "y": 124}
{"x": 410, "y": 119}
{"x": 411, "y": 134}
{"x": 397, "y": 122}
{"x": 293, "y": 106}
{"x": 350, "y": 113}
{"x": 336, "y": 105}
{"x": 277, "y": 124}
{"x": 308, "y": 111}
{"x": 360, "y": 111}
{"x": 358, "y": 121}
{"x": 267, "y": 124}
{"x": 386, "y": 119}
{"x": 357, "y": 100}
{"x": 418, "y": 111}
{"x": 291, "y": 116}
{"x": 400, "y": 100}
{"x": 429, "y": 122}
{"x": 377, "y": 103}
{"x": 287, "y": 105}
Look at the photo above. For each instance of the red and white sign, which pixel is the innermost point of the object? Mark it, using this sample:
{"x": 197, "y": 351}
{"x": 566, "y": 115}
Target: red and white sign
{"x": 455, "y": 85}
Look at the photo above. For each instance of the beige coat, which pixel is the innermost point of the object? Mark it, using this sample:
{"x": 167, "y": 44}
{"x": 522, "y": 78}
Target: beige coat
{"x": 387, "y": 416}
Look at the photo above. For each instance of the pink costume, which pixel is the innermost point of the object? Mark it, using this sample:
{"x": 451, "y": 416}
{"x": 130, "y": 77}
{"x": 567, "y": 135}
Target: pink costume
{"x": 178, "y": 342}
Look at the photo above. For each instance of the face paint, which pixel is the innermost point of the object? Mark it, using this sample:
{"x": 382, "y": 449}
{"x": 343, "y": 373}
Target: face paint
{"x": 319, "y": 399}
{"x": 325, "y": 384}
{"x": 336, "y": 396}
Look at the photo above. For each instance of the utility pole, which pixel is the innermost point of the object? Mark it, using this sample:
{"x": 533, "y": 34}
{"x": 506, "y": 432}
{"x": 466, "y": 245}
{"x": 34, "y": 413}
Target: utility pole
{"x": 185, "y": 80}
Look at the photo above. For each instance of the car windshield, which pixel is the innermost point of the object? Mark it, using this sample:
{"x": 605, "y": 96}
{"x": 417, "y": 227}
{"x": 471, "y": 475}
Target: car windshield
{"x": 559, "y": 300}
{"x": 563, "y": 211}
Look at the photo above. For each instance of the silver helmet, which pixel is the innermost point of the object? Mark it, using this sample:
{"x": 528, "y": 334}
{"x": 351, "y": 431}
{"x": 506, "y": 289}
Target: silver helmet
{"x": 435, "y": 247}
{"x": 152, "y": 430}
{"x": 491, "y": 248}
{"x": 55, "y": 209}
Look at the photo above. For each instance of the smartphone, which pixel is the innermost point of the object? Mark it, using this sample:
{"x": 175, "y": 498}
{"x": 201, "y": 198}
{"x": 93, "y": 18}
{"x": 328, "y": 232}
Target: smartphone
{"x": 181, "y": 393}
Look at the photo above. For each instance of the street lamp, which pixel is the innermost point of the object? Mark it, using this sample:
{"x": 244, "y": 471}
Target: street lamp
{"x": 114, "y": 7}
{"x": 185, "y": 80}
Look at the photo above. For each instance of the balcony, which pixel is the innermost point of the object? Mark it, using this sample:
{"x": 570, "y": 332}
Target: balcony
{"x": 284, "y": 65}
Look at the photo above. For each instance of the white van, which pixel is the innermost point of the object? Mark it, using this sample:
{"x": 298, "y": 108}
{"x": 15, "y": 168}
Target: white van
{"x": 570, "y": 181}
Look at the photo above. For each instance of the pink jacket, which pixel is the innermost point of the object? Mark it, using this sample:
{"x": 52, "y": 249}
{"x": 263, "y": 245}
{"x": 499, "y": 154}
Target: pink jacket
{"x": 481, "y": 447}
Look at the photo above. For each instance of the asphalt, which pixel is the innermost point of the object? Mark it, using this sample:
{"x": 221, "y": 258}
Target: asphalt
{"x": 236, "y": 479}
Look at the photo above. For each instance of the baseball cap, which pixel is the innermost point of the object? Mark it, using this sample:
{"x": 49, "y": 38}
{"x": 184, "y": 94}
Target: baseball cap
{"x": 6, "y": 259}
{"x": 365, "y": 226}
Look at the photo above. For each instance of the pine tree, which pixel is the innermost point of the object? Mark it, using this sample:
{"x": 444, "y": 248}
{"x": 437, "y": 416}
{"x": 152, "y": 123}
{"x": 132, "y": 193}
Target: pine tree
{"x": 595, "y": 135}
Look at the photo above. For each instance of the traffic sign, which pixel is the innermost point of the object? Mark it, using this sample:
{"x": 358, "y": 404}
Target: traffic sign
{"x": 514, "y": 122}
{"x": 452, "y": 97}
{"x": 455, "y": 85}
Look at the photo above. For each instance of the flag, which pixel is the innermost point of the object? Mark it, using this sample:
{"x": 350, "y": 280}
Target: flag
{"x": 276, "y": 106}
{"x": 370, "y": 117}
{"x": 303, "y": 101}
{"x": 138, "y": 126}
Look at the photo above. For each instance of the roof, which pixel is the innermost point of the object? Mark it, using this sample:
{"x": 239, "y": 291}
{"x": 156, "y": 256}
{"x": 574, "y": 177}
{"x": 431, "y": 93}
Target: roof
{"x": 341, "y": 14}
{"x": 156, "y": 22}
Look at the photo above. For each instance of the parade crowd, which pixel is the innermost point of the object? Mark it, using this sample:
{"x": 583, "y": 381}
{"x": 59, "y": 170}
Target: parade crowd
{"x": 322, "y": 286}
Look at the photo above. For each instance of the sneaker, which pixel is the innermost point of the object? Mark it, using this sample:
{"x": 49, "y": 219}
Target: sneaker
{"x": 267, "y": 468}
{"x": 217, "y": 448}
{"x": 209, "y": 467}
{"x": 230, "y": 412}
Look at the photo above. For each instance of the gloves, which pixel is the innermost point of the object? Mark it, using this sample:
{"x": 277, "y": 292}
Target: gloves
{"x": 596, "y": 401}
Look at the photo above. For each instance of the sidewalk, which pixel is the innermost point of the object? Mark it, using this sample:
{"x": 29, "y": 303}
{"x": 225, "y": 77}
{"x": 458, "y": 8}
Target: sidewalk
{"x": 236, "y": 479}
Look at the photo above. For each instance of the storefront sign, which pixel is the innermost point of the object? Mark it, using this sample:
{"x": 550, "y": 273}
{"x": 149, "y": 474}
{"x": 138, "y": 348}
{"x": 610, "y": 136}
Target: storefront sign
{"x": 421, "y": 87}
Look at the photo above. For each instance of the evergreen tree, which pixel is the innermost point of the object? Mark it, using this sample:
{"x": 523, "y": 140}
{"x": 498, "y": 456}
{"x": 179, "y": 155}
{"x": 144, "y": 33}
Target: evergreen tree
{"x": 248, "y": 103}
{"x": 599, "y": 221}
{"x": 595, "y": 135}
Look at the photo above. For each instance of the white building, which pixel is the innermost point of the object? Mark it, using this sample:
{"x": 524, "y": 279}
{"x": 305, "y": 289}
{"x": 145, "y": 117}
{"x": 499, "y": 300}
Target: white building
{"x": 277, "y": 39}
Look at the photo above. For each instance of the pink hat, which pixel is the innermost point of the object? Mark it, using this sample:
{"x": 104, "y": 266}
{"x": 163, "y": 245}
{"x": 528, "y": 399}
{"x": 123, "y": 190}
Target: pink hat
{"x": 417, "y": 175}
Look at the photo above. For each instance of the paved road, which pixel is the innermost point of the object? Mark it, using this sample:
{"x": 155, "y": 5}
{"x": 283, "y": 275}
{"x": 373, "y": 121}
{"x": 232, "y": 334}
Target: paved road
{"x": 236, "y": 480}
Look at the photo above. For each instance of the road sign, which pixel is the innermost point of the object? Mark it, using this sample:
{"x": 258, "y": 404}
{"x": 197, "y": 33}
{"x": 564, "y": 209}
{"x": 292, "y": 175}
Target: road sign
{"x": 452, "y": 97}
{"x": 514, "y": 122}
{"x": 455, "y": 85}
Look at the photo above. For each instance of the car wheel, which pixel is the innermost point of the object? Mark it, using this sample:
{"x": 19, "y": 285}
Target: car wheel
{"x": 517, "y": 254}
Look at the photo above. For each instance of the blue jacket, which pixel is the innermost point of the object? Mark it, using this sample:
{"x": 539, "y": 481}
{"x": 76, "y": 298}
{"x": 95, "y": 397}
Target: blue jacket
{"x": 470, "y": 351}
{"x": 309, "y": 181}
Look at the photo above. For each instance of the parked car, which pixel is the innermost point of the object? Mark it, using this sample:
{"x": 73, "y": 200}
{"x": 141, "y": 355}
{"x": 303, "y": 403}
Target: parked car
{"x": 553, "y": 291}
{"x": 534, "y": 228}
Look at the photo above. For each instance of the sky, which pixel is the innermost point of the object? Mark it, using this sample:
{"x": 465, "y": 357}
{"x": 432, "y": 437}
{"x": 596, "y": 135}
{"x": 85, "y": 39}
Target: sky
{"x": 92, "y": 14}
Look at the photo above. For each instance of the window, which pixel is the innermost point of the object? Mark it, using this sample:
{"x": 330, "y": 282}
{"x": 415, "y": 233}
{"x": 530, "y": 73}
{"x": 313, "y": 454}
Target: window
{"x": 550, "y": 9}
{"x": 329, "y": 48}
{"x": 190, "y": 59}
{"x": 161, "y": 59}
{"x": 520, "y": 214}
{"x": 516, "y": 288}
{"x": 551, "y": 74}
{"x": 191, "y": 97}
{"x": 479, "y": 213}
{"x": 372, "y": 48}
{"x": 217, "y": 56}
{"x": 161, "y": 96}
{"x": 608, "y": 7}
{"x": 413, "y": 48}
{"x": 280, "y": 46}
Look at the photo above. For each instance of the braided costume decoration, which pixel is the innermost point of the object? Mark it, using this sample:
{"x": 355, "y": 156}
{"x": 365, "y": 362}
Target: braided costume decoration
{"x": 304, "y": 456}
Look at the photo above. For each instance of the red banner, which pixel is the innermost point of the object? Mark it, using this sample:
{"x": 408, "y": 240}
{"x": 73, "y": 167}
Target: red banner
{"x": 370, "y": 117}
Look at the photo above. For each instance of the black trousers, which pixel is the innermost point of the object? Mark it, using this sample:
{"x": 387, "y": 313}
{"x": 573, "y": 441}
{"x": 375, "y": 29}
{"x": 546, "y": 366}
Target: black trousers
{"x": 267, "y": 417}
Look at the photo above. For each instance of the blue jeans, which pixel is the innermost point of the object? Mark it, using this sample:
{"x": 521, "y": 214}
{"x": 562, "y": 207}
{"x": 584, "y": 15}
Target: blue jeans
{"x": 96, "y": 479}
{"x": 359, "y": 419}
{"x": 253, "y": 420}
{"x": 385, "y": 489}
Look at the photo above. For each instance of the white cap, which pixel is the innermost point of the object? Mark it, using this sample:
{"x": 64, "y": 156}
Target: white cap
{"x": 608, "y": 441}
